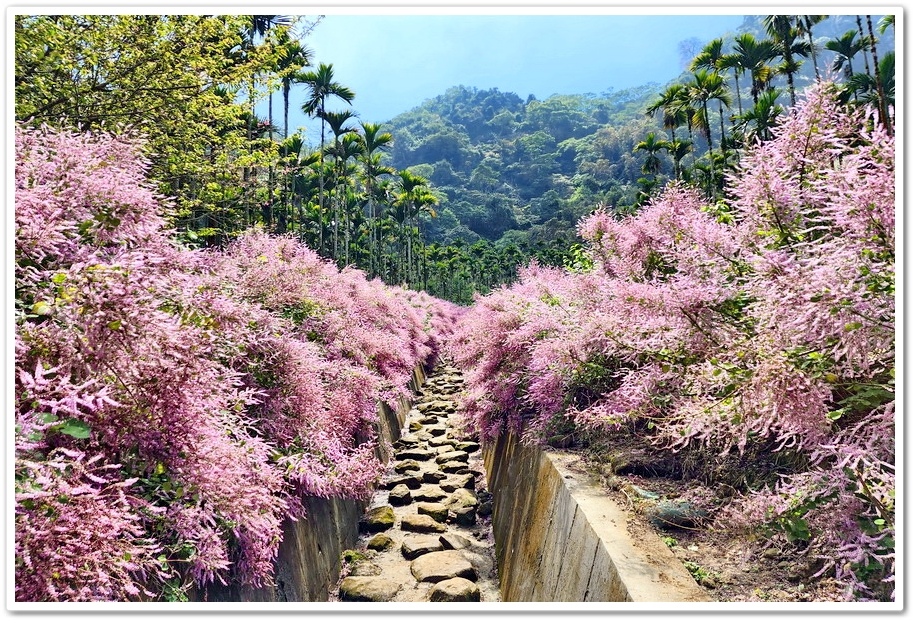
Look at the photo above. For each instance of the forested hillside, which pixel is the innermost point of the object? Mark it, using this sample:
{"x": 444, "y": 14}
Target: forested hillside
{"x": 504, "y": 165}
{"x": 514, "y": 177}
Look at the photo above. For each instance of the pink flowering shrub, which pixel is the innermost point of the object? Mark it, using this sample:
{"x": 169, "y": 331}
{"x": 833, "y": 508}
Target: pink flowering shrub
{"x": 761, "y": 324}
{"x": 173, "y": 406}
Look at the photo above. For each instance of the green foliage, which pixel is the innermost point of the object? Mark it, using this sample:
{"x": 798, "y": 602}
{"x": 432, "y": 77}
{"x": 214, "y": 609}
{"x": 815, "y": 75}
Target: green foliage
{"x": 699, "y": 573}
{"x": 176, "y": 79}
{"x": 525, "y": 167}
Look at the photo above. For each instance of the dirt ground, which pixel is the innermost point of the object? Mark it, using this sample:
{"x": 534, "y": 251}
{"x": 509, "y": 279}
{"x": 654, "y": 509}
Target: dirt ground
{"x": 730, "y": 567}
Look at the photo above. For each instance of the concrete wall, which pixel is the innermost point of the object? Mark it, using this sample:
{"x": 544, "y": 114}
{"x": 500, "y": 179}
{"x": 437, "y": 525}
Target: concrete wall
{"x": 308, "y": 563}
{"x": 559, "y": 537}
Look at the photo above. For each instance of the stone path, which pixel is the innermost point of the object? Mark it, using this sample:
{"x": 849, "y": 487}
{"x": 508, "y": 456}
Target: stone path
{"x": 426, "y": 534}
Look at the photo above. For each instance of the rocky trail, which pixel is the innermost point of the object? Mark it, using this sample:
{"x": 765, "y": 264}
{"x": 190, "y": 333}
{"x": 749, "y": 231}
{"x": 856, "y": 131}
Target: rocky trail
{"x": 426, "y": 534}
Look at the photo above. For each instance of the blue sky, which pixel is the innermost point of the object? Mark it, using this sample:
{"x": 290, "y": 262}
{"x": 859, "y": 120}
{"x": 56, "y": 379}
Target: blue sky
{"x": 394, "y": 62}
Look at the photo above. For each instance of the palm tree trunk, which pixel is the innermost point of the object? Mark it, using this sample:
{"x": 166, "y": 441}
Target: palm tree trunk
{"x": 817, "y": 72}
{"x": 321, "y": 185}
{"x": 286, "y": 87}
{"x": 882, "y": 101}
{"x": 722, "y": 126}
{"x": 790, "y": 79}
{"x": 737, "y": 92}
{"x": 862, "y": 39}
{"x": 712, "y": 166}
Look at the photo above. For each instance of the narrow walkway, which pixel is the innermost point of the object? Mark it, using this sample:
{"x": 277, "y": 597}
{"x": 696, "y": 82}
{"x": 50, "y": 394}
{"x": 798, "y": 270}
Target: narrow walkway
{"x": 426, "y": 535}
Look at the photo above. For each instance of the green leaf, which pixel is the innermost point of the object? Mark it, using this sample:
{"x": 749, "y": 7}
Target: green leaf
{"x": 114, "y": 325}
{"x": 852, "y": 326}
{"x": 59, "y": 278}
{"x": 76, "y": 429}
{"x": 48, "y": 418}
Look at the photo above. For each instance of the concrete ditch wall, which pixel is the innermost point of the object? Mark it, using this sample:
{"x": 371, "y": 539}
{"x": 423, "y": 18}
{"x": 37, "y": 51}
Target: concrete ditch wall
{"x": 560, "y": 538}
{"x": 308, "y": 563}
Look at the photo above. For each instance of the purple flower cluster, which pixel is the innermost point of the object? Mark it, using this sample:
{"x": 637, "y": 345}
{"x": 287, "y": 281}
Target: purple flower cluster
{"x": 766, "y": 320}
{"x": 173, "y": 406}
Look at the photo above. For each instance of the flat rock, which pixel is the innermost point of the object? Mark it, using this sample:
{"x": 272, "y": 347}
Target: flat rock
{"x": 400, "y": 496}
{"x": 411, "y": 439}
{"x": 446, "y": 447}
{"x": 468, "y": 446}
{"x": 415, "y": 546}
{"x": 365, "y": 568}
{"x": 421, "y": 523}
{"x": 437, "y": 511}
{"x": 450, "y": 540}
{"x": 447, "y": 406}
{"x": 368, "y": 589}
{"x": 377, "y": 519}
{"x": 441, "y": 441}
{"x": 457, "y": 455}
{"x": 455, "y": 589}
{"x": 455, "y": 467}
{"x": 464, "y": 515}
{"x": 417, "y": 454}
{"x": 407, "y": 465}
{"x": 445, "y": 565}
{"x": 429, "y": 493}
{"x": 433, "y": 477}
{"x": 408, "y": 480}
{"x": 443, "y": 405}
{"x": 457, "y": 481}
{"x": 462, "y": 497}
{"x": 438, "y": 430}
{"x": 380, "y": 542}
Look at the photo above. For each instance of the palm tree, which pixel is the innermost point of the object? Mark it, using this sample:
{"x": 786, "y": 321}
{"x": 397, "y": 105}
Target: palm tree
{"x": 885, "y": 22}
{"x": 753, "y": 56}
{"x": 784, "y": 33}
{"x": 757, "y": 121}
{"x": 674, "y": 103}
{"x": 345, "y": 148}
{"x": 292, "y": 57}
{"x": 413, "y": 197}
{"x": 258, "y": 28}
{"x": 705, "y": 88}
{"x": 711, "y": 58}
{"x": 678, "y": 150}
{"x": 732, "y": 61}
{"x": 879, "y": 81}
{"x": 374, "y": 142}
{"x": 322, "y": 86}
{"x": 865, "y": 86}
{"x": 846, "y": 46}
{"x": 651, "y": 145}
{"x": 806, "y": 23}
{"x": 290, "y": 152}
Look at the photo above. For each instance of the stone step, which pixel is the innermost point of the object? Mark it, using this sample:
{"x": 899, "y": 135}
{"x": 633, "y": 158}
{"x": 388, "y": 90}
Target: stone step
{"x": 427, "y": 542}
